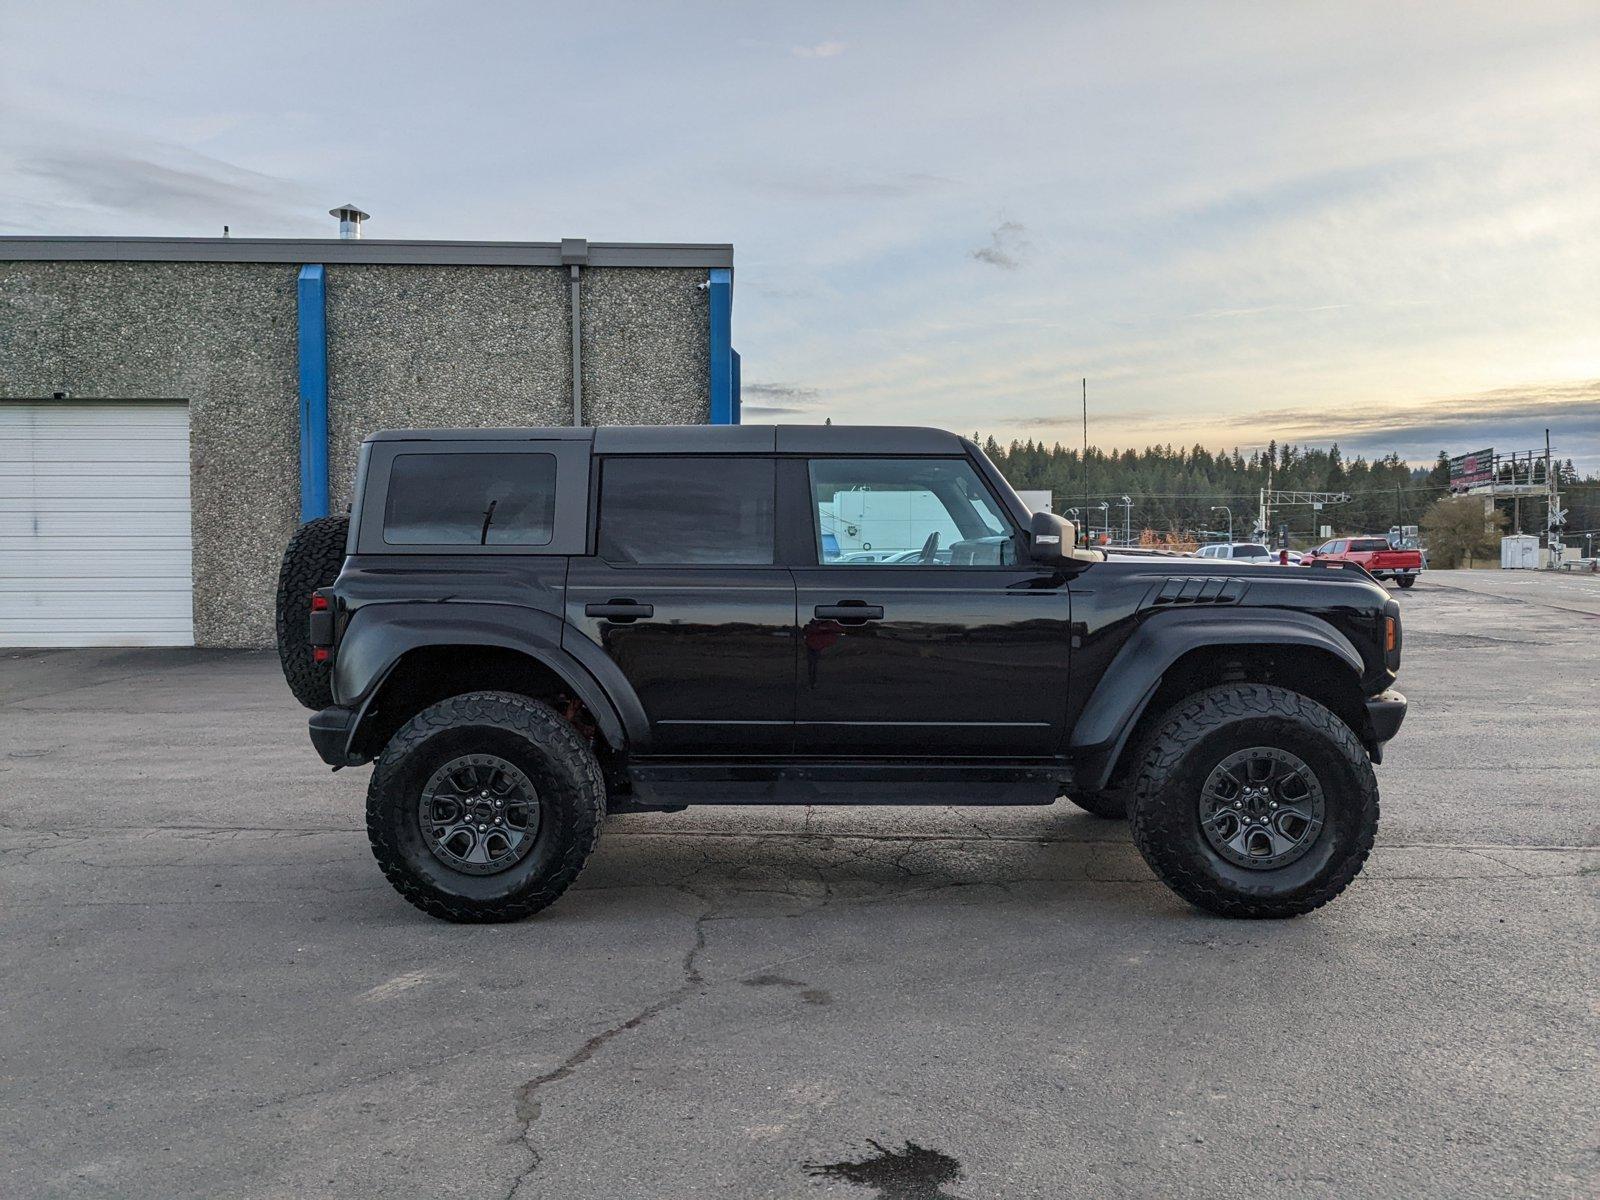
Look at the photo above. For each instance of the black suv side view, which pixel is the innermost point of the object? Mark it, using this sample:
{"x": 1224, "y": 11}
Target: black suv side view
{"x": 527, "y": 629}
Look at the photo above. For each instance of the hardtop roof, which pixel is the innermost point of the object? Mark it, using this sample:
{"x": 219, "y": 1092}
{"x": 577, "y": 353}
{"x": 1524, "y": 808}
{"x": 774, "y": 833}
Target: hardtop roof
{"x": 712, "y": 439}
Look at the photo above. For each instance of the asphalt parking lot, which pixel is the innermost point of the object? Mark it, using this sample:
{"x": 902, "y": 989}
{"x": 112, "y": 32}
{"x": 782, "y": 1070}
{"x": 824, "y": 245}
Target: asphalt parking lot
{"x": 209, "y": 989}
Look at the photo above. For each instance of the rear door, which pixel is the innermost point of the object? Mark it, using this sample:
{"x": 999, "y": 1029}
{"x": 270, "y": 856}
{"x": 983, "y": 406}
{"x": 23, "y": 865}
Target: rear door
{"x": 684, "y": 594}
{"x": 958, "y": 649}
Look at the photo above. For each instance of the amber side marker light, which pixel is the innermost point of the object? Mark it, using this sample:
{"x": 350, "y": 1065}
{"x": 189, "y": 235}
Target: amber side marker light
{"x": 1391, "y": 633}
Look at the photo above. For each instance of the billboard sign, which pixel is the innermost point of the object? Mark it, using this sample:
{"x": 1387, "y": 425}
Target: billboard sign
{"x": 1469, "y": 470}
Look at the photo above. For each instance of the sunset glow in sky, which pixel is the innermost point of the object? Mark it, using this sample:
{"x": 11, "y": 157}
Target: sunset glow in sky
{"x": 1377, "y": 224}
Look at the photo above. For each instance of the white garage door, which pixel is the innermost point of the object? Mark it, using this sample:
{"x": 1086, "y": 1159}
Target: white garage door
{"x": 94, "y": 524}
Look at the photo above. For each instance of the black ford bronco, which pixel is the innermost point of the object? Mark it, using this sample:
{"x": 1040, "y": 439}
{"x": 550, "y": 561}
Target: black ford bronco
{"x": 528, "y": 629}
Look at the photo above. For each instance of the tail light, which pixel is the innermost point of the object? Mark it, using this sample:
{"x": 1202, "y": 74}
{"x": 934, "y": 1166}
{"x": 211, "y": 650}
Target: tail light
{"x": 1393, "y": 637}
{"x": 321, "y": 626}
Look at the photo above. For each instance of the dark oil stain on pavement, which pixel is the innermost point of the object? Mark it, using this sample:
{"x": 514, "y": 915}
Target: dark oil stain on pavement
{"x": 810, "y": 995}
{"x": 914, "y": 1173}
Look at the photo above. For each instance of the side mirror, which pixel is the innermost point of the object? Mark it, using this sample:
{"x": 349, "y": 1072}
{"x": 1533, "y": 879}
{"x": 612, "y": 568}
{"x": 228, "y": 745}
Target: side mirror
{"x": 1053, "y": 541}
{"x": 1050, "y": 539}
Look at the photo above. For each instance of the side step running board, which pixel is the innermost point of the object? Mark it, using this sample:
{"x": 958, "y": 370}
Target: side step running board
{"x": 677, "y": 783}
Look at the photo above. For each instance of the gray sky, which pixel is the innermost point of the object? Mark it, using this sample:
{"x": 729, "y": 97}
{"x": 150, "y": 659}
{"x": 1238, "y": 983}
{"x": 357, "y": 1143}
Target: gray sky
{"x": 1372, "y": 223}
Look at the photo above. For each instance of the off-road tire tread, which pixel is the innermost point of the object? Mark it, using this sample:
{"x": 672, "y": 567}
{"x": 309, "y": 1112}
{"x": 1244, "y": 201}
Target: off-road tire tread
{"x": 1188, "y": 722}
{"x": 312, "y": 560}
{"x": 568, "y": 753}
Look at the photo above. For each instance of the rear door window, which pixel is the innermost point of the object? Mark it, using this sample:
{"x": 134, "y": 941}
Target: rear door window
{"x": 1366, "y": 545}
{"x": 470, "y": 500}
{"x": 686, "y": 510}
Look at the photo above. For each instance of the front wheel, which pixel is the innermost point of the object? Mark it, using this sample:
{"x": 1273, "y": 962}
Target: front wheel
{"x": 484, "y": 807}
{"x": 1254, "y": 801}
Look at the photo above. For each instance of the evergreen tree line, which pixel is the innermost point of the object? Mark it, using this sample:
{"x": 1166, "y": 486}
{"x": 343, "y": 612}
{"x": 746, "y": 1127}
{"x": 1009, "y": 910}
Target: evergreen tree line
{"x": 1174, "y": 489}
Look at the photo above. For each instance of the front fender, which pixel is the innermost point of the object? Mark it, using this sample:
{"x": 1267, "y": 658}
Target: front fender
{"x": 1124, "y": 691}
{"x": 379, "y": 635}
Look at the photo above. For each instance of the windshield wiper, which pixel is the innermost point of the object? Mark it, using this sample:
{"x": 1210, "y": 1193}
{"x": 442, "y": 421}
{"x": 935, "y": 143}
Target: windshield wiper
{"x": 488, "y": 516}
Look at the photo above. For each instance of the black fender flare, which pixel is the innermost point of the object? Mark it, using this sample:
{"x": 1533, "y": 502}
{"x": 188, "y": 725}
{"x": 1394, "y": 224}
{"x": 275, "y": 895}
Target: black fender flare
{"x": 380, "y": 635}
{"x": 1129, "y": 683}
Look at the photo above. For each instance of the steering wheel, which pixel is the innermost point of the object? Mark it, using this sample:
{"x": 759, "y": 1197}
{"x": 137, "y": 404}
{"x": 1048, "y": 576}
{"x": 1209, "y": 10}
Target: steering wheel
{"x": 930, "y": 549}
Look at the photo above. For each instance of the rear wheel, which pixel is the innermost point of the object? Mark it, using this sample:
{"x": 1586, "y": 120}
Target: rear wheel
{"x": 1254, "y": 801}
{"x": 1406, "y": 581}
{"x": 312, "y": 560}
{"x": 485, "y": 807}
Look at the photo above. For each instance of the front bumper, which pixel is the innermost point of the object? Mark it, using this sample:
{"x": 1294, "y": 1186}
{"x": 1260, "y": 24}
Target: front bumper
{"x": 331, "y": 731}
{"x": 1385, "y": 712}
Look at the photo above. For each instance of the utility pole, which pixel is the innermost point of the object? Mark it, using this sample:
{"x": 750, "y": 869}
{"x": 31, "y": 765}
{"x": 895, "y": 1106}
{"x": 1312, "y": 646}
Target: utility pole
{"x": 1084, "y": 464}
{"x": 1555, "y": 518}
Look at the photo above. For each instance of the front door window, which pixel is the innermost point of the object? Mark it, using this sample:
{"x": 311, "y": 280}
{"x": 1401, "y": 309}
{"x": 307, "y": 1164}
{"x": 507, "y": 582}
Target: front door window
{"x": 907, "y": 512}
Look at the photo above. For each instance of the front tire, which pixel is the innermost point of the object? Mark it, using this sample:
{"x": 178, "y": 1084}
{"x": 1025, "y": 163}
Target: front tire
{"x": 485, "y": 807}
{"x": 1254, "y": 801}
{"x": 1109, "y": 805}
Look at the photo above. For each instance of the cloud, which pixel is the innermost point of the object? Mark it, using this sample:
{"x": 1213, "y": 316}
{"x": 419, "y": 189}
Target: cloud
{"x": 827, "y": 184}
{"x": 187, "y": 187}
{"x": 1007, "y": 245}
{"x": 777, "y": 399}
{"x": 1506, "y": 418}
{"x": 819, "y": 50}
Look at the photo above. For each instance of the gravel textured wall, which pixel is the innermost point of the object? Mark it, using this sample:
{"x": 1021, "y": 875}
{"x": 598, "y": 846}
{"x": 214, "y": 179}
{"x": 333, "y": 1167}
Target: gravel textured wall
{"x": 413, "y": 347}
{"x": 222, "y": 337}
{"x": 407, "y": 346}
{"x": 646, "y": 347}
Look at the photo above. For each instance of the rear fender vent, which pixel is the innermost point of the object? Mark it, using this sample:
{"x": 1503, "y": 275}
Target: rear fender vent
{"x": 1198, "y": 589}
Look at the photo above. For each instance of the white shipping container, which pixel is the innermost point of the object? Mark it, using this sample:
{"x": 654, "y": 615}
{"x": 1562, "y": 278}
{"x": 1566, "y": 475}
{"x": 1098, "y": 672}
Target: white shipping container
{"x": 1519, "y": 552}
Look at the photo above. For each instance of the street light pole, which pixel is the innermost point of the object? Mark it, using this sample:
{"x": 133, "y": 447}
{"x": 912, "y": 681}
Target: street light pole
{"x": 1224, "y": 508}
{"x": 1127, "y": 521}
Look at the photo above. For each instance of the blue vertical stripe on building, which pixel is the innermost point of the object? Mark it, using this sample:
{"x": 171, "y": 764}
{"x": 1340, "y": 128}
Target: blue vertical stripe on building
{"x": 724, "y": 402}
{"x": 313, "y": 318}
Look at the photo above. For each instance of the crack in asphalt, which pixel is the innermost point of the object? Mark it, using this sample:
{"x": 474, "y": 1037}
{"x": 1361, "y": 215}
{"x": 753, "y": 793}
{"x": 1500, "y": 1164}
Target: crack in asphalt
{"x": 528, "y": 1109}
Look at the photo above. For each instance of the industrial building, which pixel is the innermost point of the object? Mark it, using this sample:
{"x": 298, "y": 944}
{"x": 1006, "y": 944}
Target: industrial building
{"x": 171, "y": 408}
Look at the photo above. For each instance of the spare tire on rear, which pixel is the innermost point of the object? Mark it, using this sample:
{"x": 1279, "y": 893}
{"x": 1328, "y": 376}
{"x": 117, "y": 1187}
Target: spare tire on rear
{"x": 312, "y": 561}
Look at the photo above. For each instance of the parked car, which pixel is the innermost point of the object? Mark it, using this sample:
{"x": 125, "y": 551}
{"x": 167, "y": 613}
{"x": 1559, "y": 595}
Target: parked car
{"x": 1251, "y": 552}
{"x": 534, "y": 628}
{"x": 1374, "y": 554}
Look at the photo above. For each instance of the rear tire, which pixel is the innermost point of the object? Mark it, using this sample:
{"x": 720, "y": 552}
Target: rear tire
{"x": 1407, "y": 581}
{"x": 1276, "y": 864}
{"x": 421, "y": 821}
{"x": 312, "y": 560}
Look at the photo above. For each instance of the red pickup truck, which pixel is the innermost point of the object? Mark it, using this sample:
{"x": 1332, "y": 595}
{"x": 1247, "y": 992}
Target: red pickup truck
{"x": 1380, "y": 559}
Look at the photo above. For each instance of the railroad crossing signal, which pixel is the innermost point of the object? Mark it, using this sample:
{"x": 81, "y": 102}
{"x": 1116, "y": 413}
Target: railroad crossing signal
{"x": 1558, "y": 520}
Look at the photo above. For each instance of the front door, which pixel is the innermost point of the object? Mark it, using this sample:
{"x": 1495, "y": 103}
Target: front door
{"x": 685, "y": 598}
{"x": 924, "y": 632}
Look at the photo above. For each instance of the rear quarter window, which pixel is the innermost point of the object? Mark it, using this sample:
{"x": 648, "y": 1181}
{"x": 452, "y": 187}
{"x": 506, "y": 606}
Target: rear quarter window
{"x": 470, "y": 500}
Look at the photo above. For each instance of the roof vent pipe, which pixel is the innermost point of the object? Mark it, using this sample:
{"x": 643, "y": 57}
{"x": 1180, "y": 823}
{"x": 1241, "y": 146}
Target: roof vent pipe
{"x": 350, "y": 218}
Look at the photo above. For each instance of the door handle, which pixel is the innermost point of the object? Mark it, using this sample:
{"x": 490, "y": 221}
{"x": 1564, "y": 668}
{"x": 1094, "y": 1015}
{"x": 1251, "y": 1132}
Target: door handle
{"x": 619, "y": 611}
{"x": 850, "y": 612}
